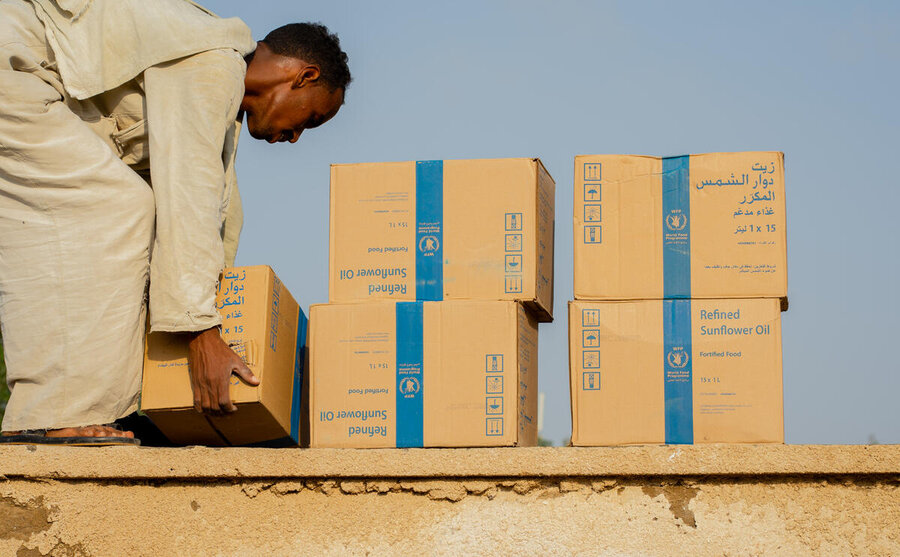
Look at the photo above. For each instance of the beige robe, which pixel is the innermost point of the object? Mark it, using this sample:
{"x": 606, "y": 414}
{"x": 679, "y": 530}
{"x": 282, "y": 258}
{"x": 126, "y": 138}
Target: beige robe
{"x": 88, "y": 90}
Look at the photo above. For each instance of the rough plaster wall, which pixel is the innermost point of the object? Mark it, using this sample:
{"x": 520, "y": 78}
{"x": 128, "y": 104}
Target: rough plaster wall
{"x": 631, "y": 516}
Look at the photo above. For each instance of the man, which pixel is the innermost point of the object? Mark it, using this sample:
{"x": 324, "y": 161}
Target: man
{"x": 119, "y": 122}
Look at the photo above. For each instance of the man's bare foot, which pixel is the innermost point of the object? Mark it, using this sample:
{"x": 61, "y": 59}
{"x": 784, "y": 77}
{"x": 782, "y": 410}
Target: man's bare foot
{"x": 89, "y": 431}
{"x": 86, "y": 431}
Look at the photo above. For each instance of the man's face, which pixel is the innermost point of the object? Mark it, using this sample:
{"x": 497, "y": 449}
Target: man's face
{"x": 286, "y": 111}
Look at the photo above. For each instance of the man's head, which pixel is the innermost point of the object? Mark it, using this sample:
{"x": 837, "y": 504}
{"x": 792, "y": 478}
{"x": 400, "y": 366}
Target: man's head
{"x": 295, "y": 81}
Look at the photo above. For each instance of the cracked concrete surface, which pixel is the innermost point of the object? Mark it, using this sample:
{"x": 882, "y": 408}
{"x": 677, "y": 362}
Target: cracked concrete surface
{"x": 774, "y": 513}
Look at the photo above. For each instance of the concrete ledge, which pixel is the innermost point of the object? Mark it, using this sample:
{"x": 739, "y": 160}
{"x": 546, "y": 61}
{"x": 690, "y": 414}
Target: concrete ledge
{"x": 652, "y": 500}
{"x": 687, "y": 460}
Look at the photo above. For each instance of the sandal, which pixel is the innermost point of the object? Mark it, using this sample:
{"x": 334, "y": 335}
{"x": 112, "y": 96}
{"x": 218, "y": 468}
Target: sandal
{"x": 39, "y": 437}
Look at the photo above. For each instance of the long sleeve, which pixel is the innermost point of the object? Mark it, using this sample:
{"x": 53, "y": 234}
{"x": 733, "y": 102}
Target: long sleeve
{"x": 191, "y": 105}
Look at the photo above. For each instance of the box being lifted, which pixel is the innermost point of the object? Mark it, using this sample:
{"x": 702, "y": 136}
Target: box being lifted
{"x": 697, "y": 226}
{"x": 267, "y": 329}
{"x": 443, "y": 230}
{"x": 423, "y": 374}
{"x": 676, "y": 371}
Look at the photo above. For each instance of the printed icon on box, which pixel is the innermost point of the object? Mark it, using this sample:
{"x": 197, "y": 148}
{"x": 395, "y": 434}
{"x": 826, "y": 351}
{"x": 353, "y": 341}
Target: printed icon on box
{"x": 590, "y": 338}
{"x": 590, "y": 381}
{"x": 513, "y": 284}
{"x": 590, "y": 359}
{"x": 592, "y": 234}
{"x": 676, "y": 221}
{"x": 513, "y": 263}
{"x": 514, "y": 221}
{"x": 592, "y": 192}
{"x": 409, "y": 386}
{"x": 678, "y": 358}
{"x": 513, "y": 242}
{"x": 592, "y": 213}
{"x": 493, "y": 362}
{"x": 493, "y": 405}
{"x": 592, "y": 171}
{"x": 429, "y": 244}
{"x": 493, "y": 385}
{"x": 590, "y": 318}
{"x": 493, "y": 427}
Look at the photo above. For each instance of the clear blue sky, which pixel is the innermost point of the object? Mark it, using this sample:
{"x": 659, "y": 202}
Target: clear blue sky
{"x": 817, "y": 80}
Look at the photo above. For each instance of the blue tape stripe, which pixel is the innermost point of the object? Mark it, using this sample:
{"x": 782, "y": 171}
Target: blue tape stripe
{"x": 676, "y": 227}
{"x": 299, "y": 369}
{"x": 678, "y": 377}
{"x": 409, "y": 374}
{"x": 429, "y": 230}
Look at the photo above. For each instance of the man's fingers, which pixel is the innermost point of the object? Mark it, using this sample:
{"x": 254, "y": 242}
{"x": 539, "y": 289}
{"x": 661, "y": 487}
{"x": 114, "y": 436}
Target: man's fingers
{"x": 195, "y": 389}
{"x": 207, "y": 398}
{"x": 244, "y": 373}
{"x": 197, "y": 385}
{"x": 198, "y": 399}
{"x": 225, "y": 397}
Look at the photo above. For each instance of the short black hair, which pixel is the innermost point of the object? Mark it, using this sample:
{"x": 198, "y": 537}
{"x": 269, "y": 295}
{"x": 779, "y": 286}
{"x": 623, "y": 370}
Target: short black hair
{"x": 313, "y": 43}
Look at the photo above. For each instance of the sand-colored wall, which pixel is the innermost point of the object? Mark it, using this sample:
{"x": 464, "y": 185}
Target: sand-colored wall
{"x": 715, "y": 500}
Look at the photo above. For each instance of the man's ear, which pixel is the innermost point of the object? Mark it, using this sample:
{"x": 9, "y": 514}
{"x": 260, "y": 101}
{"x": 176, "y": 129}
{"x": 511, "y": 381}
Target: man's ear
{"x": 307, "y": 76}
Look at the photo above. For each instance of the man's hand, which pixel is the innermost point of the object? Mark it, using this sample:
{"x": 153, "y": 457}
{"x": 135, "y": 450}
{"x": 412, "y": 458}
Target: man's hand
{"x": 212, "y": 362}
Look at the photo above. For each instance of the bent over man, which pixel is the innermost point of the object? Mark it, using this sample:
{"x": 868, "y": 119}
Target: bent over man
{"x": 119, "y": 122}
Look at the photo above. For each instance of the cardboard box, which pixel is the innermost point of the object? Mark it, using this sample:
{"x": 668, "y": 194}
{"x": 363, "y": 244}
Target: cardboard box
{"x": 697, "y": 226}
{"x": 423, "y": 374}
{"x": 443, "y": 230}
{"x": 676, "y": 371}
{"x": 265, "y": 326}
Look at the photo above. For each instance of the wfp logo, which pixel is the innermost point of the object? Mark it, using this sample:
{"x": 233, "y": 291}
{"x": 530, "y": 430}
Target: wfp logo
{"x": 428, "y": 244}
{"x": 677, "y": 358}
{"x": 676, "y": 222}
{"x": 409, "y": 386}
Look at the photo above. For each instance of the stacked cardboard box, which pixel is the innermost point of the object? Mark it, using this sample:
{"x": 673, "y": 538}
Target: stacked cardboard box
{"x": 680, "y": 269}
{"x": 263, "y": 324}
{"x": 439, "y": 274}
